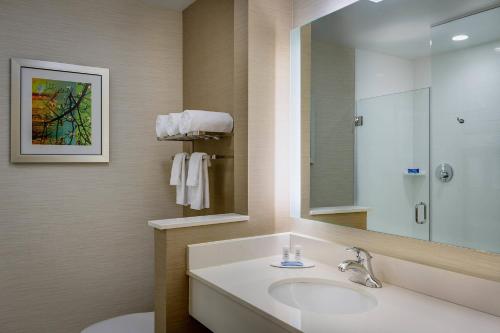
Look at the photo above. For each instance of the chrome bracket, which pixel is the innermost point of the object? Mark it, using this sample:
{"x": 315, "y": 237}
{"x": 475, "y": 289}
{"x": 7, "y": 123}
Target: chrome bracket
{"x": 358, "y": 121}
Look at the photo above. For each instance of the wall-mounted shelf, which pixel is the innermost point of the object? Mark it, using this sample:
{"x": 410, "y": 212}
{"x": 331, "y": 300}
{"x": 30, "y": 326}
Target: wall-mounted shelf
{"x": 338, "y": 210}
{"x": 192, "y": 136}
{"x": 196, "y": 221}
{"x": 421, "y": 173}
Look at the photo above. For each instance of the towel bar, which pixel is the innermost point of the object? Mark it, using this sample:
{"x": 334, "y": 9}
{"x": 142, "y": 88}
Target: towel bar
{"x": 212, "y": 157}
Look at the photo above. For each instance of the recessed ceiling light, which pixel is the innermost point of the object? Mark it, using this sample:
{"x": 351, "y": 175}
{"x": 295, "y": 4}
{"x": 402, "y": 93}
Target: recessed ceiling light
{"x": 376, "y": 1}
{"x": 460, "y": 38}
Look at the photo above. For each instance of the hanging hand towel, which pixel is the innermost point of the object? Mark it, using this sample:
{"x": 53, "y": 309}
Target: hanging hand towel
{"x": 178, "y": 178}
{"x": 207, "y": 121}
{"x": 197, "y": 181}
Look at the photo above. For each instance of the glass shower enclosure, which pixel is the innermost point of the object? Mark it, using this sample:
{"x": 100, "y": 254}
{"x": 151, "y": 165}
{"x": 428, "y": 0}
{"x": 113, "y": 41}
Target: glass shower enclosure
{"x": 392, "y": 162}
{"x": 428, "y": 160}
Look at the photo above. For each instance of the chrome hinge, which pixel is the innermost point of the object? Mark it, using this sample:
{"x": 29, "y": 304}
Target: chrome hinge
{"x": 358, "y": 121}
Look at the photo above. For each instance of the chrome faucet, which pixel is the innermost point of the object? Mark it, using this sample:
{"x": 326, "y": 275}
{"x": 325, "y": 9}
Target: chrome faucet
{"x": 362, "y": 274}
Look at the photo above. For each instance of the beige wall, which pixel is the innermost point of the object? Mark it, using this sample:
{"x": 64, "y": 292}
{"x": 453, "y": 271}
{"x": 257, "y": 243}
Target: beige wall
{"x": 462, "y": 260}
{"x": 215, "y": 69}
{"x": 208, "y": 70}
{"x": 240, "y": 104}
{"x": 332, "y": 115}
{"x": 262, "y": 28}
{"x": 269, "y": 95}
{"x": 356, "y": 220}
{"x": 74, "y": 244}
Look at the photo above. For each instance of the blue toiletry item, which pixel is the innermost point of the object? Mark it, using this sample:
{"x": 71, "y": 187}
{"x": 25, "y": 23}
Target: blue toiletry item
{"x": 292, "y": 264}
{"x": 414, "y": 171}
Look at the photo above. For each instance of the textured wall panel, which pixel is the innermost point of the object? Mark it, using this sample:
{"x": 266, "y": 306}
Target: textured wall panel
{"x": 208, "y": 42}
{"x": 332, "y": 134}
{"x": 74, "y": 244}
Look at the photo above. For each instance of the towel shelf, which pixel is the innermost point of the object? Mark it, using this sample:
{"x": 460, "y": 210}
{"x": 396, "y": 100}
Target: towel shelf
{"x": 198, "y": 135}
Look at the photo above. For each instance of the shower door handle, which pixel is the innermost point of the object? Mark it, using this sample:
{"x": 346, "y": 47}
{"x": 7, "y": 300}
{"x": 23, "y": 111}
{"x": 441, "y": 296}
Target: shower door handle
{"x": 420, "y": 213}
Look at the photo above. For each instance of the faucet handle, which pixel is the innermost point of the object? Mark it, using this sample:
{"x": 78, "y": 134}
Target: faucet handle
{"x": 358, "y": 252}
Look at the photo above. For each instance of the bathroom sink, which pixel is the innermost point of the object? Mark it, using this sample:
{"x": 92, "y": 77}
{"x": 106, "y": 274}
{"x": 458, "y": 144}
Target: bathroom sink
{"x": 322, "y": 296}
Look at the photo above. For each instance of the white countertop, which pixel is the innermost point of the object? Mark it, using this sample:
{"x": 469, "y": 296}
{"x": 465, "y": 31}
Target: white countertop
{"x": 399, "y": 310}
{"x": 185, "y": 222}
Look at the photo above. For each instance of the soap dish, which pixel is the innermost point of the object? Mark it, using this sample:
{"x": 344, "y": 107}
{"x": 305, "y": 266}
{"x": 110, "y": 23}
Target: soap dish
{"x": 306, "y": 265}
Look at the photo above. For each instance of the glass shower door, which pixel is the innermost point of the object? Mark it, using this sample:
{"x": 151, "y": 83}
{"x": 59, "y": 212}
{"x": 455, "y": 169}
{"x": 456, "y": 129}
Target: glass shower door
{"x": 392, "y": 162}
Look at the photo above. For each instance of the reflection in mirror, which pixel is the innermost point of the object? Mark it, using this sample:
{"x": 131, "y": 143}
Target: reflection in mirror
{"x": 401, "y": 119}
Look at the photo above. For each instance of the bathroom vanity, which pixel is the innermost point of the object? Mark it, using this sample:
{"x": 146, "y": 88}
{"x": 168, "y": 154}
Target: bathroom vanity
{"x": 394, "y": 133}
{"x": 234, "y": 288}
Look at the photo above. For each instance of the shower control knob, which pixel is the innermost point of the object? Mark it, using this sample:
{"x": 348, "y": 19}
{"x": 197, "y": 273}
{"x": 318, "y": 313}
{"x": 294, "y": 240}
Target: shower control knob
{"x": 444, "y": 172}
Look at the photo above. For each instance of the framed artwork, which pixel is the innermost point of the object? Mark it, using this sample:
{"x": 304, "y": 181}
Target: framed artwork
{"x": 59, "y": 113}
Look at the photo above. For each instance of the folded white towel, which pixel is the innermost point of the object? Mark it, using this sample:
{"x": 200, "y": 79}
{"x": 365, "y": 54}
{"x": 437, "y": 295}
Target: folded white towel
{"x": 208, "y": 121}
{"x": 167, "y": 125}
{"x": 178, "y": 178}
{"x": 197, "y": 181}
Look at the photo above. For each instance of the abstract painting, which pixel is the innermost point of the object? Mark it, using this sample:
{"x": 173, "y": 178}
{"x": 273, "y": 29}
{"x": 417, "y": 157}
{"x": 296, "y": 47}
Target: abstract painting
{"x": 60, "y": 112}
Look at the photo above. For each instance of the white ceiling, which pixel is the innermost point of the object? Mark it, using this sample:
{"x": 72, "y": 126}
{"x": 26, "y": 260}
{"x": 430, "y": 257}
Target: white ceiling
{"x": 483, "y": 28}
{"x": 404, "y": 27}
{"x": 178, "y": 5}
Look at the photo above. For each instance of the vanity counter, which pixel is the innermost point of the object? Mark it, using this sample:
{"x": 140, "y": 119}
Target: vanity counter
{"x": 398, "y": 310}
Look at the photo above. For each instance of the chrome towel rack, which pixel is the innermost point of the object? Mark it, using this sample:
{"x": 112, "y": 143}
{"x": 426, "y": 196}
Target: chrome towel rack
{"x": 198, "y": 135}
{"x": 211, "y": 157}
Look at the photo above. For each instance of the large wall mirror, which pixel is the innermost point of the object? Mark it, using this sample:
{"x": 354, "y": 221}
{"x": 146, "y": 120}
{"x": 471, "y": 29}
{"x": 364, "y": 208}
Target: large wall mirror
{"x": 400, "y": 116}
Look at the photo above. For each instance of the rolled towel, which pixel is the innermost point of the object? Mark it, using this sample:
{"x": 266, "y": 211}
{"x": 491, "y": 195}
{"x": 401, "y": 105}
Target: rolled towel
{"x": 161, "y": 126}
{"x": 173, "y": 121}
{"x": 207, "y": 121}
{"x": 167, "y": 125}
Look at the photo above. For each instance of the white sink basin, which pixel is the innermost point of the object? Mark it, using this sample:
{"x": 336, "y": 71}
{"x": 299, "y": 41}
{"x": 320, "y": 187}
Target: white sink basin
{"x": 322, "y": 296}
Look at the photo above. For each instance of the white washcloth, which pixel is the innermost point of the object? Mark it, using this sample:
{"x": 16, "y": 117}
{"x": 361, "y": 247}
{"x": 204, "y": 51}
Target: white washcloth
{"x": 197, "y": 181}
{"x": 167, "y": 125}
{"x": 198, "y": 120}
{"x": 178, "y": 178}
